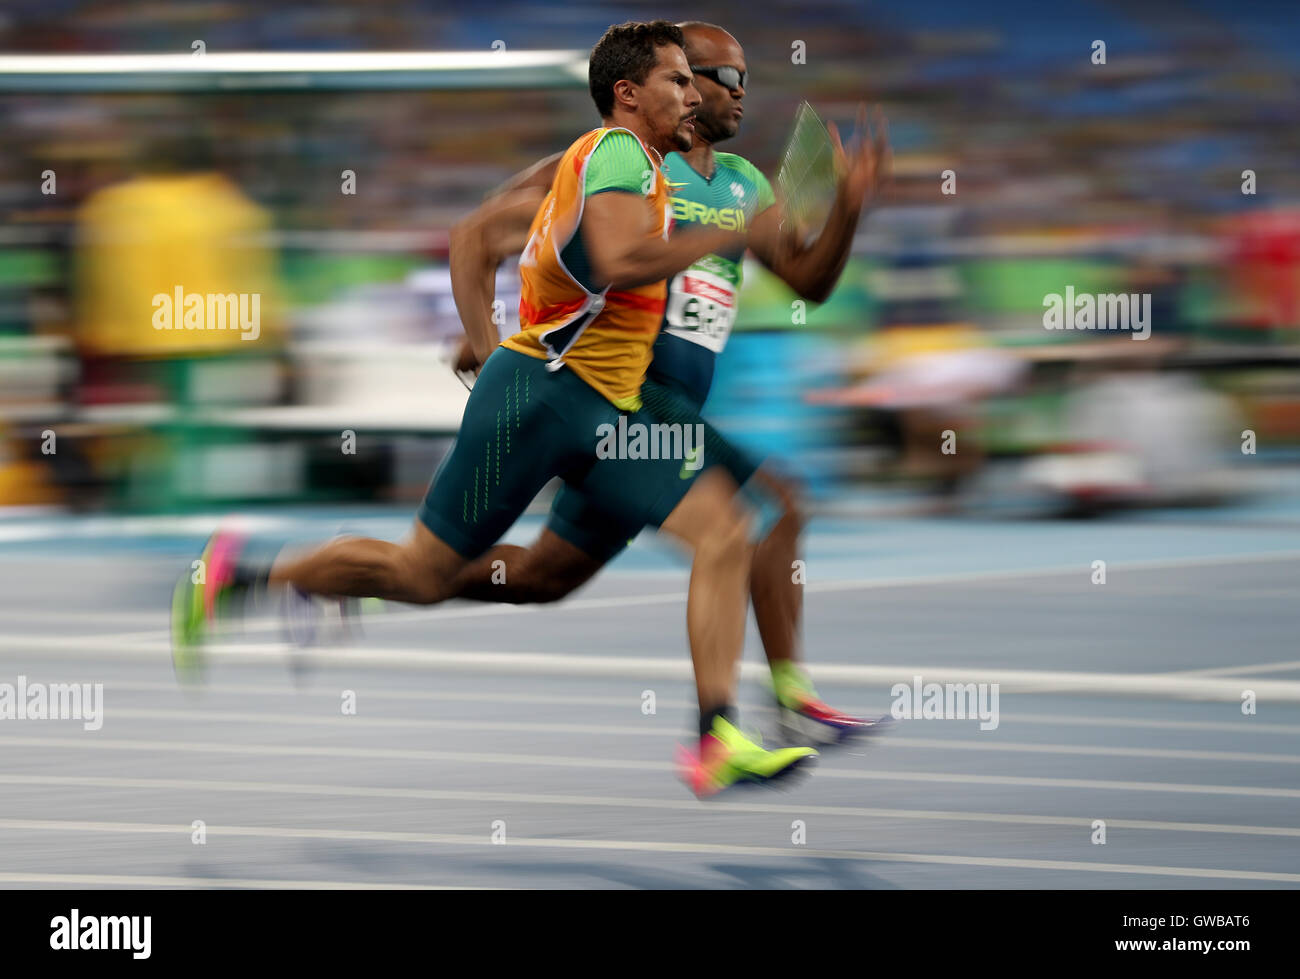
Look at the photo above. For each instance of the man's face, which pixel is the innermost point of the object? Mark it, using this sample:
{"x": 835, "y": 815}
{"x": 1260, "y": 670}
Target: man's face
{"x": 668, "y": 100}
{"x": 719, "y": 113}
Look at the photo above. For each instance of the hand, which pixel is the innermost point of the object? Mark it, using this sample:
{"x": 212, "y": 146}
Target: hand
{"x": 863, "y": 173}
{"x": 466, "y": 363}
{"x": 790, "y": 243}
{"x": 466, "y": 359}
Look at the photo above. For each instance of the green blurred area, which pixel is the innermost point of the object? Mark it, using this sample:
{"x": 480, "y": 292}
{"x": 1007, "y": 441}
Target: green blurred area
{"x": 310, "y": 278}
{"x": 767, "y": 303}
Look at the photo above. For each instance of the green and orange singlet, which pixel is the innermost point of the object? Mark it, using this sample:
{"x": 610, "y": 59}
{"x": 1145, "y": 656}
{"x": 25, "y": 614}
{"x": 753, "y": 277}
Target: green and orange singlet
{"x": 605, "y": 336}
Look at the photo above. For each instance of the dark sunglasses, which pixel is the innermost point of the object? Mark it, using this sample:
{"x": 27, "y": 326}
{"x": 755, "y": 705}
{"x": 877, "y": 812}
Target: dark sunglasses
{"x": 726, "y": 76}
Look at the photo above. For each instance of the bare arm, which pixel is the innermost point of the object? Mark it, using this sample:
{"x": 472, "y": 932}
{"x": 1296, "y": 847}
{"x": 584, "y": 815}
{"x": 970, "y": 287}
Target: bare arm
{"x": 812, "y": 270}
{"x": 624, "y": 253}
{"x": 480, "y": 243}
{"x": 482, "y": 239}
{"x": 540, "y": 174}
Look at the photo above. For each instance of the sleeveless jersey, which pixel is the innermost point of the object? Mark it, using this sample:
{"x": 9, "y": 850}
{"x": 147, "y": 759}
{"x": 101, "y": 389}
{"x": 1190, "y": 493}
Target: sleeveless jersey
{"x": 604, "y": 336}
{"x": 702, "y": 300}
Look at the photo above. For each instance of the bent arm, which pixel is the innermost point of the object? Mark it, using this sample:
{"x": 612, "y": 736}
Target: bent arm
{"x": 480, "y": 243}
{"x": 540, "y": 174}
{"x": 811, "y": 270}
{"x": 624, "y": 253}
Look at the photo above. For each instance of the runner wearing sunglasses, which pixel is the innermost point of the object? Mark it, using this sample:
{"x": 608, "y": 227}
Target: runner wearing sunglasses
{"x": 711, "y": 189}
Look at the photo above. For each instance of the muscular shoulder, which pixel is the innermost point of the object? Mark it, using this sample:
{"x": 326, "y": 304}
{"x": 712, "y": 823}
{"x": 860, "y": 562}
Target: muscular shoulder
{"x": 749, "y": 176}
{"x": 618, "y": 162}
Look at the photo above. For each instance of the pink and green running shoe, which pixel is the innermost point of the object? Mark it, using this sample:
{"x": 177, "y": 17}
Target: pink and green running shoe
{"x": 806, "y": 717}
{"x": 726, "y": 757}
{"x": 197, "y": 600}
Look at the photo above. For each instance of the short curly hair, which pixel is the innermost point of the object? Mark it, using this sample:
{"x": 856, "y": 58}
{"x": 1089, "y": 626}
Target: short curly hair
{"x": 627, "y": 51}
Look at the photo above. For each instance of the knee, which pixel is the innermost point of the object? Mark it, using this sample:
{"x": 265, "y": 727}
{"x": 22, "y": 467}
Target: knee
{"x": 794, "y": 515}
{"x": 790, "y": 497}
{"x": 555, "y": 582}
{"x": 728, "y": 539}
{"x": 415, "y": 581}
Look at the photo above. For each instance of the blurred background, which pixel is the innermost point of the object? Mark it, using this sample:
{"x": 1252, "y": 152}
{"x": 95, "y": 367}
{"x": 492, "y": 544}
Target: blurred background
{"x": 325, "y": 188}
{"x": 329, "y": 192}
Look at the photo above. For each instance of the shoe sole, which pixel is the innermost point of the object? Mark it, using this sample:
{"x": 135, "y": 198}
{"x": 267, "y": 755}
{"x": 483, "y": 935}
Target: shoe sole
{"x": 306, "y": 624}
{"x": 800, "y": 729}
{"x": 793, "y": 775}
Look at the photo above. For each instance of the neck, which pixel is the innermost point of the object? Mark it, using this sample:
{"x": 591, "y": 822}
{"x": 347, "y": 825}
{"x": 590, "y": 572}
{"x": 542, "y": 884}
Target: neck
{"x": 700, "y": 156}
{"x": 634, "y": 124}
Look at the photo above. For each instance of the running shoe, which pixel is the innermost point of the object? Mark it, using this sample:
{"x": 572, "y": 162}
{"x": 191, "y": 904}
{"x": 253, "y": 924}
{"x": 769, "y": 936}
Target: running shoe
{"x": 310, "y": 621}
{"x": 726, "y": 757}
{"x": 196, "y": 600}
{"x": 806, "y": 717}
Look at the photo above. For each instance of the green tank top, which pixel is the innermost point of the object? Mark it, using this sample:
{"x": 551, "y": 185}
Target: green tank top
{"x": 702, "y": 300}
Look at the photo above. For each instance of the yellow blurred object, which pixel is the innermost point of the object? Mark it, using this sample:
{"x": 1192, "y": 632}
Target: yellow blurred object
{"x": 892, "y": 345}
{"x": 25, "y": 483}
{"x": 149, "y": 237}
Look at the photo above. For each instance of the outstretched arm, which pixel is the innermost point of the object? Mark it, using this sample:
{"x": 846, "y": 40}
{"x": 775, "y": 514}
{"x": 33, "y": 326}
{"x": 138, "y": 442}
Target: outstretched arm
{"x": 813, "y": 269}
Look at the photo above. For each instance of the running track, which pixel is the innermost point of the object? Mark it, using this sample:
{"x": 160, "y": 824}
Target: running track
{"x": 1118, "y": 702}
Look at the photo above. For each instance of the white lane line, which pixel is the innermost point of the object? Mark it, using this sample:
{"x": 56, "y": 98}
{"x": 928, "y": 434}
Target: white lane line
{"x": 1247, "y": 725}
{"x": 338, "y": 721}
{"x": 815, "y": 587}
{"x": 646, "y": 846}
{"x": 259, "y": 625}
{"x": 1284, "y": 665}
{"x": 64, "y": 615}
{"x": 1156, "y": 685}
{"x": 1083, "y": 569}
{"x": 321, "y": 751}
{"x": 629, "y": 700}
{"x": 480, "y": 796}
{"x": 646, "y": 728}
{"x": 62, "y": 530}
{"x": 1089, "y": 750}
{"x": 394, "y": 613}
{"x": 137, "y": 880}
{"x": 564, "y": 761}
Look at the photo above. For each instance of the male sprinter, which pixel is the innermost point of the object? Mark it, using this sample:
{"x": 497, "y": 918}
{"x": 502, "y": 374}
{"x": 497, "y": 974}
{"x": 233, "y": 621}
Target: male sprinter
{"x": 594, "y": 285}
{"x": 710, "y": 188}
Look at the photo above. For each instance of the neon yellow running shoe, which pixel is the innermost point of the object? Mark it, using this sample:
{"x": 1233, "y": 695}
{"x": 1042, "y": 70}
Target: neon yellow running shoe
{"x": 187, "y": 630}
{"x": 196, "y": 600}
{"x": 726, "y": 757}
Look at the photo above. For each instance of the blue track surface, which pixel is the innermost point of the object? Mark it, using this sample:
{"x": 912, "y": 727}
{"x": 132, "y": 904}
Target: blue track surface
{"x": 554, "y": 744}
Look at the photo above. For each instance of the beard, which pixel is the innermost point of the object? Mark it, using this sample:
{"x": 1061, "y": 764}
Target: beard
{"x": 714, "y": 130}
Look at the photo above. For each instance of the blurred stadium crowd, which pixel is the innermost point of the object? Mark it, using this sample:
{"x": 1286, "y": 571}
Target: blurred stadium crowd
{"x": 1122, "y": 177}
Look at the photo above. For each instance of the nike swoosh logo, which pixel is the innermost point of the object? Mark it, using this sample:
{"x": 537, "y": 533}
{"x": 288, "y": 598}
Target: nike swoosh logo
{"x": 686, "y": 472}
{"x": 671, "y": 184}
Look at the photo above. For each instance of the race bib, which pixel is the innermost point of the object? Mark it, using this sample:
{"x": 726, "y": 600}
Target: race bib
{"x": 701, "y": 308}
